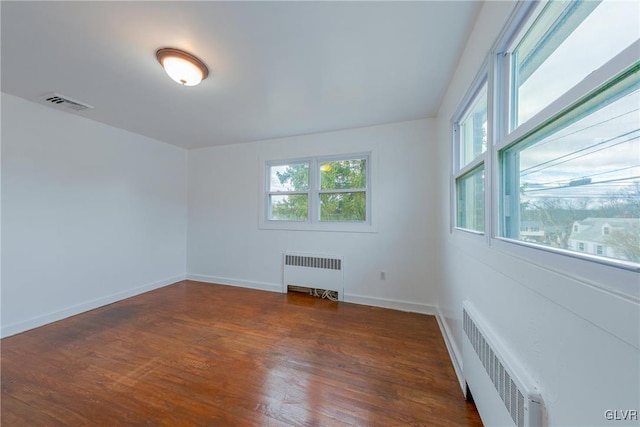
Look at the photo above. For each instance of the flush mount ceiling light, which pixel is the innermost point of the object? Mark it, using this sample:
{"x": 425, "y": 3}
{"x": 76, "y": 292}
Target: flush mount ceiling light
{"x": 182, "y": 67}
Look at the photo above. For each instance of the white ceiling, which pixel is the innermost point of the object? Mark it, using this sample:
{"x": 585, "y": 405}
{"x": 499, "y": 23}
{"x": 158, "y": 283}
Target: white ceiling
{"x": 276, "y": 68}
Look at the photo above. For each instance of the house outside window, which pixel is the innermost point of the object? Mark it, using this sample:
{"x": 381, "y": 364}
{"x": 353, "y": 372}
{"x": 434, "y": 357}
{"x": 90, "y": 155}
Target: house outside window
{"x": 621, "y": 242}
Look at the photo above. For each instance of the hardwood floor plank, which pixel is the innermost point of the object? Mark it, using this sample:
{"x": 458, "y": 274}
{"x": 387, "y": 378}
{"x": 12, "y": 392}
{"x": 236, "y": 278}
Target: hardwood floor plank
{"x": 202, "y": 354}
{"x": 21, "y": 414}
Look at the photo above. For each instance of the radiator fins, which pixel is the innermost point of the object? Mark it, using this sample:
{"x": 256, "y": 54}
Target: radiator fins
{"x": 512, "y": 396}
{"x": 313, "y": 262}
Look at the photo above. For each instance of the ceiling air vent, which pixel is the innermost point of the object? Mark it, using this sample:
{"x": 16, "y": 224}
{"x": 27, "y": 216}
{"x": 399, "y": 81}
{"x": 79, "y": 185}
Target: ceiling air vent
{"x": 63, "y": 102}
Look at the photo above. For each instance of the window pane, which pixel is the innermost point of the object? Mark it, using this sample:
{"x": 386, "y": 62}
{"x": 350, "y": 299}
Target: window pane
{"x": 294, "y": 177}
{"x": 473, "y": 129}
{"x": 293, "y": 207}
{"x": 343, "y": 174}
{"x": 343, "y": 206}
{"x": 470, "y": 192}
{"x": 578, "y": 178}
{"x": 567, "y": 41}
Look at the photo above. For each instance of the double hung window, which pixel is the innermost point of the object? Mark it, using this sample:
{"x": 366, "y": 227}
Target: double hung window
{"x": 470, "y": 135}
{"x": 571, "y": 157}
{"x": 289, "y": 192}
{"x": 564, "y": 130}
{"x": 319, "y": 190}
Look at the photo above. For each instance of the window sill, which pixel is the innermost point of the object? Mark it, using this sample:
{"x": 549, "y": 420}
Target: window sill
{"x": 617, "y": 277}
{"x": 365, "y": 227}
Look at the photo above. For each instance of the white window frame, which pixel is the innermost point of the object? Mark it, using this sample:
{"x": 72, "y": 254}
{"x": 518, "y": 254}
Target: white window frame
{"x": 482, "y": 160}
{"x": 613, "y": 276}
{"x": 268, "y": 167}
{"x": 505, "y": 139}
{"x": 313, "y": 222}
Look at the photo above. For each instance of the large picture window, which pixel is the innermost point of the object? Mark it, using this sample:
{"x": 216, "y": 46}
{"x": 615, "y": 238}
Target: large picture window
{"x": 551, "y": 131}
{"x": 319, "y": 190}
{"x": 578, "y": 176}
{"x": 569, "y": 161}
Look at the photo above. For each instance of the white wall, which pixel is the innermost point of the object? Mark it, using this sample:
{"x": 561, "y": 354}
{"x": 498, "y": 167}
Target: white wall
{"x": 91, "y": 214}
{"x": 226, "y": 245}
{"x": 577, "y": 340}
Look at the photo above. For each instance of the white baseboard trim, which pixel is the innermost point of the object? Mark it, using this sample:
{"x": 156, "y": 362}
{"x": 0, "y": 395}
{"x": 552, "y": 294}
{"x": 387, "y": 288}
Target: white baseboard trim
{"x": 452, "y": 348}
{"x": 25, "y": 325}
{"x": 271, "y": 287}
{"x": 356, "y": 299}
{"x": 412, "y": 307}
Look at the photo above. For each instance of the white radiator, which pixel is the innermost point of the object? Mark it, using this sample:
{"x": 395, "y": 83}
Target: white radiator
{"x": 502, "y": 391}
{"x": 313, "y": 271}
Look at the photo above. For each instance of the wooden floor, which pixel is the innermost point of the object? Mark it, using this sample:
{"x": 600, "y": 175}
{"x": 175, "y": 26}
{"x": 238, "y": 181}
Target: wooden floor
{"x": 209, "y": 355}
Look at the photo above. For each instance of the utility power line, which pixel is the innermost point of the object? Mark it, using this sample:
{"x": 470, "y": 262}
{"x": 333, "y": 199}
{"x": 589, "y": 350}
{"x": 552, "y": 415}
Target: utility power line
{"x": 559, "y": 181}
{"x": 583, "y": 185}
{"x": 541, "y": 143}
{"x": 548, "y": 165}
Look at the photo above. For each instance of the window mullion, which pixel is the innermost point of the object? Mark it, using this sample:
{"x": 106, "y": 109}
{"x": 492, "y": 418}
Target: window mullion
{"x": 492, "y": 102}
{"x": 314, "y": 185}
